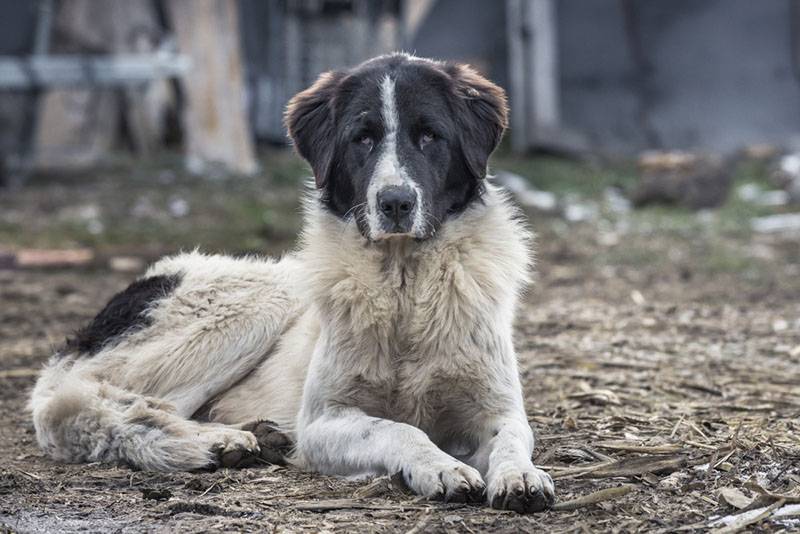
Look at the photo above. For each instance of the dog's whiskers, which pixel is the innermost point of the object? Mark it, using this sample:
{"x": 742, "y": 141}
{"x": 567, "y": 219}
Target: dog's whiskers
{"x": 354, "y": 214}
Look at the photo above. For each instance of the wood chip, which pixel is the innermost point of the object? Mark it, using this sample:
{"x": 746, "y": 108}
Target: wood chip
{"x": 126, "y": 264}
{"x": 54, "y": 257}
{"x": 383, "y": 485}
{"x": 19, "y": 373}
{"x": 794, "y": 498}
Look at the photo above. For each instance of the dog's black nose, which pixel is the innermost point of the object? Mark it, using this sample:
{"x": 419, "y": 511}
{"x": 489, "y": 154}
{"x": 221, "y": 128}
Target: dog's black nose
{"x": 397, "y": 203}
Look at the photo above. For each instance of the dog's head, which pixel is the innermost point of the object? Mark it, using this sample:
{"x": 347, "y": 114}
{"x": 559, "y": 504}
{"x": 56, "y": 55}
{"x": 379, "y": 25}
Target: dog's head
{"x": 398, "y": 143}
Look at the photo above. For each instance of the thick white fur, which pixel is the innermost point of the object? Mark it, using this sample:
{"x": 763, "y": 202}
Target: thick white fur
{"x": 377, "y": 357}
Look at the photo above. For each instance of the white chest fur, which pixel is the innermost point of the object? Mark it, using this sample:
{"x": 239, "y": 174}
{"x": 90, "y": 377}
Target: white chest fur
{"x": 412, "y": 330}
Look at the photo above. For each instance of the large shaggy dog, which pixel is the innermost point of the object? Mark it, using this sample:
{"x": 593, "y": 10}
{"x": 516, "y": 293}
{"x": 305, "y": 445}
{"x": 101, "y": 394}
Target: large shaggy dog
{"x": 382, "y": 345}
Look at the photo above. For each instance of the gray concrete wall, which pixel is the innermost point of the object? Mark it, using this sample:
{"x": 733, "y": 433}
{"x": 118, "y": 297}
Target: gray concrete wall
{"x": 714, "y": 74}
{"x": 466, "y": 30}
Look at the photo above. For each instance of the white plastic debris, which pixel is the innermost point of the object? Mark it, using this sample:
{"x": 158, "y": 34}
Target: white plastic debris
{"x": 95, "y": 227}
{"x": 178, "y": 207}
{"x": 789, "y": 510}
{"x": 525, "y": 193}
{"x": 754, "y": 194}
{"x": 789, "y": 171}
{"x": 784, "y": 222}
{"x": 615, "y": 201}
{"x": 790, "y": 164}
{"x": 534, "y": 198}
{"x": 580, "y": 211}
{"x": 773, "y": 198}
{"x": 749, "y": 192}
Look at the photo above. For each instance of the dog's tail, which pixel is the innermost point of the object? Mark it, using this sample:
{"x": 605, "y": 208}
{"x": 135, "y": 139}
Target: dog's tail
{"x": 79, "y": 419}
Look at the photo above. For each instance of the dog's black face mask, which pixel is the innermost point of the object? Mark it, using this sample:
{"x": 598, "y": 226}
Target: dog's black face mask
{"x": 398, "y": 143}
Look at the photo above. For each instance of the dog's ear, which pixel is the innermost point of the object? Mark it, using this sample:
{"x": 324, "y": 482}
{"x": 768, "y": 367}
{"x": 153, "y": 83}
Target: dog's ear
{"x": 309, "y": 121}
{"x": 482, "y": 116}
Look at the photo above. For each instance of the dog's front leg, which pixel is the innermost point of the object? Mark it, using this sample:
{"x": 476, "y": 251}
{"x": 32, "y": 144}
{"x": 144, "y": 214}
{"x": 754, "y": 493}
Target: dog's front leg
{"x": 346, "y": 441}
{"x": 505, "y": 457}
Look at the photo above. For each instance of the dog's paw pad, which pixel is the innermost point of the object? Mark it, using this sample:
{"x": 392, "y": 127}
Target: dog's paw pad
{"x": 238, "y": 458}
{"x": 235, "y": 455}
{"x": 275, "y": 445}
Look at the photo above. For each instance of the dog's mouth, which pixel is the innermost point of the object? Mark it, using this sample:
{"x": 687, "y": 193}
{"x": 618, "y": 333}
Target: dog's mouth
{"x": 393, "y": 234}
{"x": 378, "y": 227}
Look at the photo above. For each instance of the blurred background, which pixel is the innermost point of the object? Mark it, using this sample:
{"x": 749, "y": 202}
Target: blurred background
{"x": 131, "y": 128}
{"x": 654, "y": 147}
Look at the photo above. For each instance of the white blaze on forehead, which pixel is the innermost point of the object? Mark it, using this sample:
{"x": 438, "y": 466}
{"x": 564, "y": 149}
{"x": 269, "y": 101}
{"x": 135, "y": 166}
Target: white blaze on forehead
{"x": 388, "y": 170}
{"x": 389, "y": 108}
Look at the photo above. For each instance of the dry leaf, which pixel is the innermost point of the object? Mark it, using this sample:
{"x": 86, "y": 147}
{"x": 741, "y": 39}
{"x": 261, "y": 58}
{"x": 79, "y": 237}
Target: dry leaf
{"x": 734, "y": 497}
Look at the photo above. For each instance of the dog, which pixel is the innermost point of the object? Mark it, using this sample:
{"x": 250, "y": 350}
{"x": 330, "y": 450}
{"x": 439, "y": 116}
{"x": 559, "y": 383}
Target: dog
{"x": 383, "y": 344}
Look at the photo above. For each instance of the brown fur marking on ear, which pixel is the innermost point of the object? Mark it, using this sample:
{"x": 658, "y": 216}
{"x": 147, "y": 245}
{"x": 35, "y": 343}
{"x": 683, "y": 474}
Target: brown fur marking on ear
{"x": 309, "y": 121}
{"x": 483, "y": 117}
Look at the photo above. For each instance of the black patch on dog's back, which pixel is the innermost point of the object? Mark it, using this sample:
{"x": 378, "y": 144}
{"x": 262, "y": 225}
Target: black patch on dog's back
{"x": 126, "y": 312}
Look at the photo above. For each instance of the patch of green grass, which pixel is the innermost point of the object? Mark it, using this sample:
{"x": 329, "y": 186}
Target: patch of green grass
{"x": 719, "y": 257}
{"x": 563, "y": 176}
{"x": 284, "y": 167}
{"x": 665, "y": 220}
{"x": 752, "y": 170}
{"x": 628, "y": 256}
{"x": 733, "y": 217}
{"x": 225, "y": 214}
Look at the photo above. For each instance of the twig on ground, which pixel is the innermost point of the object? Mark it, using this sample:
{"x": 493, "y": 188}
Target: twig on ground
{"x": 19, "y": 373}
{"x": 354, "y": 504}
{"x": 423, "y": 521}
{"x": 607, "y": 494}
{"x": 745, "y": 519}
{"x": 645, "y": 449}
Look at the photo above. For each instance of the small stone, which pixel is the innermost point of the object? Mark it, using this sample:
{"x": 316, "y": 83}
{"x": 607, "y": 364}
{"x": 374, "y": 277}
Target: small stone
{"x": 780, "y": 325}
{"x": 156, "y": 494}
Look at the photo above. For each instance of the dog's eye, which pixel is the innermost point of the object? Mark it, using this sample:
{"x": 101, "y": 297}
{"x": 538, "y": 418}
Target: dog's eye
{"x": 365, "y": 141}
{"x": 426, "y": 138}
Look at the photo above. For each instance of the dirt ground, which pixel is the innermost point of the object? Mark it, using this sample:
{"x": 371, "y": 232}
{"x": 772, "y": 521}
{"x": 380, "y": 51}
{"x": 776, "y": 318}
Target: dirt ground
{"x": 652, "y": 363}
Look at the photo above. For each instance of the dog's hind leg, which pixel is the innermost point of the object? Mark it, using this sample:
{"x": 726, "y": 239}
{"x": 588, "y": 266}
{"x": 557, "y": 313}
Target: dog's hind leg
{"x": 81, "y": 420}
{"x": 126, "y": 392}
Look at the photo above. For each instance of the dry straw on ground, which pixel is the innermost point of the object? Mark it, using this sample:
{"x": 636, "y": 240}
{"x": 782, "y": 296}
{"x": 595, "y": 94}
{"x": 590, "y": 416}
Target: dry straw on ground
{"x": 662, "y": 403}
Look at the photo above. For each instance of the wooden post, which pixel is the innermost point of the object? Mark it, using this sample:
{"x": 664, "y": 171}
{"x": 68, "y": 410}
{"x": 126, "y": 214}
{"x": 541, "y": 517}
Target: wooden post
{"x": 533, "y": 71}
{"x": 79, "y": 125}
{"x": 414, "y": 13}
{"x": 543, "y": 63}
{"x": 517, "y": 73}
{"x": 215, "y": 119}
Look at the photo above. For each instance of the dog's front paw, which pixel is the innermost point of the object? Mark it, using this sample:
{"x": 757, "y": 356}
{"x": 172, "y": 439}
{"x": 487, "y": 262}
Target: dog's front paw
{"x": 451, "y": 481}
{"x": 234, "y": 448}
{"x": 524, "y": 490}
